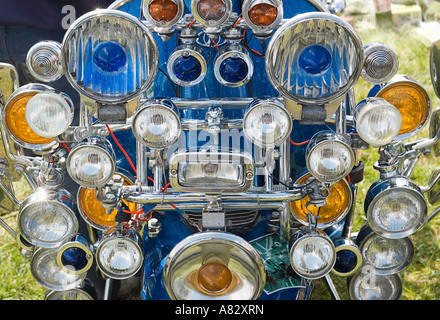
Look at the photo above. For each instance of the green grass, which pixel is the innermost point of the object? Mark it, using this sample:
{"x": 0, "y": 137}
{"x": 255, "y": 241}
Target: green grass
{"x": 420, "y": 279}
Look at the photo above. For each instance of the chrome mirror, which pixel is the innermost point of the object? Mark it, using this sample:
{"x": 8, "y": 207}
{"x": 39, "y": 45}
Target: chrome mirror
{"x": 434, "y": 133}
{"x": 433, "y": 188}
{"x": 434, "y": 66}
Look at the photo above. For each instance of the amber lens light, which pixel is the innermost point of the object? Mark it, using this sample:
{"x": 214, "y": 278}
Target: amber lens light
{"x": 211, "y": 9}
{"x": 163, "y": 10}
{"x": 263, "y": 14}
{"x": 412, "y": 103}
{"x": 16, "y": 120}
{"x": 338, "y": 202}
{"x": 214, "y": 277}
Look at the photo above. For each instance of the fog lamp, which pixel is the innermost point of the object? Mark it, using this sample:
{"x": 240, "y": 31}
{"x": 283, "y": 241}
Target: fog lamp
{"x": 214, "y": 265}
{"x": 267, "y": 123}
{"x": 395, "y": 207}
{"x": 46, "y": 271}
{"x": 233, "y": 67}
{"x": 14, "y": 118}
{"x": 187, "y": 66}
{"x": 312, "y": 253}
{"x": 211, "y": 13}
{"x": 44, "y": 61}
{"x": 91, "y": 163}
{"x": 338, "y": 203}
{"x": 85, "y": 291}
{"x": 329, "y": 157}
{"x": 387, "y": 256}
{"x": 163, "y": 14}
{"x": 46, "y": 218}
{"x": 412, "y": 101}
{"x": 109, "y": 56}
{"x": 75, "y": 255}
{"x": 380, "y": 63}
{"x": 314, "y": 58}
{"x": 119, "y": 255}
{"x": 377, "y": 121}
{"x": 156, "y": 124}
{"x": 262, "y": 16}
{"x": 367, "y": 285}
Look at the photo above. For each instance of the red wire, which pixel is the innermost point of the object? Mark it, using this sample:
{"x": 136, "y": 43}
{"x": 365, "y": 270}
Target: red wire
{"x": 190, "y": 25}
{"x": 235, "y": 24}
{"x": 216, "y": 45}
{"x": 122, "y": 149}
{"x": 299, "y": 143}
{"x": 166, "y": 187}
{"x": 66, "y": 146}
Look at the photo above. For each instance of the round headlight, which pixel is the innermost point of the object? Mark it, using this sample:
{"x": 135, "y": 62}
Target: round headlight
{"x": 387, "y": 256}
{"x": 85, "y": 291}
{"x": 214, "y": 265}
{"x": 348, "y": 257}
{"x": 46, "y": 271}
{"x": 156, "y": 124}
{"x": 329, "y": 157}
{"x": 109, "y": 56}
{"x": 314, "y": 58}
{"x": 46, "y": 218}
{"x": 312, "y": 253}
{"x": 163, "y": 14}
{"x": 91, "y": 164}
{"x": 49, "y": 114}
{"x": 380, "y": 63}
{"x": 395, "y": 207}
{"x": 211, "y": 13}
{"x": 187, "y": 66}
{"x": 367, "y": 285}
{"x": 267, "y": 123}
{"x": 44, "y": 61}
{"x": 262, "y": 17}
{"x": 75, "y": 255}
{"x": 119, "y": 256}
{"x": 412, "y": 101}
{"x": 233, "y": 67}
{"x": 377, "y": 121}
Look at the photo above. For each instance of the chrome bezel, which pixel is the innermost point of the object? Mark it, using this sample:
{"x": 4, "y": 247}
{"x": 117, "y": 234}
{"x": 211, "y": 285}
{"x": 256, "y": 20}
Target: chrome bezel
{"x": 342, "y": 244}
{"x": 162, "y": 24}
{"x": 187, "y": 50}
{"x": 389, "y": 185}
{"x": 377, "y": 46}
{"x": 62, "y": 285}
{"x": 54, "y": 48}
{"x": 121, "y": 16}
{"x": 223, "y": 238}
{"x": 233, "y": 52}
{"x": 161, "y": 103}
{"x": 77, "y": 241}
{"x": 244, "y": 158}
{"x": 211, "y": 23}
{"x": 26, "y": 89}
{"x": 272, "y": 49}
{"x": 322, "y": 138}
{"x": 44, "y": 196}
{"x": 104, "y": 146}
{"x": 86, "y": 288}
{"x": 399, "y": 79}
{"x": 275, "y": 103}
{"x": 249, "y": 4}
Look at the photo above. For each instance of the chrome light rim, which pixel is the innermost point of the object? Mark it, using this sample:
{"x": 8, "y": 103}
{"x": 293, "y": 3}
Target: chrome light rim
{"x": 370, "y": 48}
{"x": 54, "y": 48}
{"x": 77, "y": 241}
{"x": 162, "y": 24}
{"x": 192, "y": 51}
{"x": 211, "y": 23}
{"x": 249, "y": 4}
{"x": 235, "y": 52}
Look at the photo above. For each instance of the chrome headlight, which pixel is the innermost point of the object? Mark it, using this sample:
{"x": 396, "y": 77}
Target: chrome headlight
{"x": 395, "y": 207}
{"x": 214, "y": 265}
{"x": 91, "y": 163}
{"x": 119, "y": 256}
{"x": 262, "y": 16}
{"x": 163, "y": 14}
{"x": 156, "y": 124}
{"x": 380, "y": 63}
{"x": 46, "y": 218}
{"x": 329, "y": 157}
{"x": 211, "y": 13}
{"x": 314, "y": 58}
{"x": 44, "y": 61}
{"x": 85, "y": 291}
{"x": 187, "y": 66}
{"x": 267, "y": 123}
{"x": 377, "y": 121}
{"x": 49, "y": 114}
{"x": 348, "y": 257}
{"x": 109, "y": 56}
{"x": 47, "y": 272}
{"x": 312, "y": 253}
{"x": 367, "y": 285}
{"x": 387, "y": 256}
{"x": 233, "y": 67}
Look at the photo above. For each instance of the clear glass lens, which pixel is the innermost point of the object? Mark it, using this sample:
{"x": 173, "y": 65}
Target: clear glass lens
{"x": 43, "y": 61}
{"x": 156, "y": 126}
{"x": 47, "y": 224}
{"x": 387, "y": 255}
{"x": 207, "y": 174}
{"x": 74, "y": 294}
{"x": 396, "y": 213}
{"x": 267, "y": 125}
{"x": 377, "y": 122}
{"x": 312, "y": 257}
{"x": 211, "y": 9}
{"x": 380, "y": 64}
{"x": 330, "y": 161}
{"x": 48, "y": 114}
{"x": 90, "y": 166}
{"x": 119, "y": 258}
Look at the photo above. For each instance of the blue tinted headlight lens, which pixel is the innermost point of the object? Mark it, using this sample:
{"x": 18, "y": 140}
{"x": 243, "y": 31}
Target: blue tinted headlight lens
{"x": 187, "y": 68}
{"x": 75, "y": 257}
{"x": 234, "y": 70}
{"x": 346, "y": 261}
{"x": 110, "y": 57}
{"x": 315, "y": 59}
